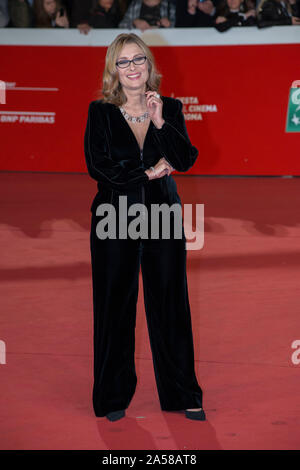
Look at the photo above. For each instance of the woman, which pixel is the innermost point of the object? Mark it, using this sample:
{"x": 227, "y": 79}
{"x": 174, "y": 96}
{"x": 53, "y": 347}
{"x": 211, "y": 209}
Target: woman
{"x": 50, "y": 14}
{"x": 133, "y": 140}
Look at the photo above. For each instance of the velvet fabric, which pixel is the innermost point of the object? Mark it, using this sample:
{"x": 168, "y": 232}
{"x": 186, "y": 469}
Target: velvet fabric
{"x": 115, "y": 160}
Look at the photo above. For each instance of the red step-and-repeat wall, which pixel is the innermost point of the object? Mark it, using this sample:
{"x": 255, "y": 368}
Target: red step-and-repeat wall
{"x": 235, "y": 88}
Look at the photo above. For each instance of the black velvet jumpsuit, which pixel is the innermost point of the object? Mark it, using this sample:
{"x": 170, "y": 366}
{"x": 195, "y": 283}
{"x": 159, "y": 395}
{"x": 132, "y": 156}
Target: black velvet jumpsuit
{"x": 115, "y": 160}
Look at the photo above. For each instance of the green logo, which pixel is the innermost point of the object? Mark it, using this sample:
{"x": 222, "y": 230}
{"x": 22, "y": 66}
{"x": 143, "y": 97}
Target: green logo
{"x": 293, "y": 112}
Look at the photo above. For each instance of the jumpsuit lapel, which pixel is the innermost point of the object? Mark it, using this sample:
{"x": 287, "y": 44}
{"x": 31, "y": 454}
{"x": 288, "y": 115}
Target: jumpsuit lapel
{"x": 131, "y": 132}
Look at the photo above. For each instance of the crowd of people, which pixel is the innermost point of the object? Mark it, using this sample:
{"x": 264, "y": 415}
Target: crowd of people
{"x": 146, "y": 14}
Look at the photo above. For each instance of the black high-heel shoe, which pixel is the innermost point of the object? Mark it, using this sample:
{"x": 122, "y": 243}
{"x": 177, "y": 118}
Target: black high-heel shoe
{"x": 199, "y": 415}
{"x": 115, "y": 415}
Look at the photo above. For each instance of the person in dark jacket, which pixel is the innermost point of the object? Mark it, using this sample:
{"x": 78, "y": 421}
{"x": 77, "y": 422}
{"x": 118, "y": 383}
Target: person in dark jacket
{"x": 4, "y": 15}
{"x": 106, "y": 14}
{"x": 195, "y": 14}
{"x": 134, "y": 139}
{"x": 278, "y": 12}
{"x": 97, "y": 14}
{"x": 21, "y": 13}
{"x": 235, "y": 13}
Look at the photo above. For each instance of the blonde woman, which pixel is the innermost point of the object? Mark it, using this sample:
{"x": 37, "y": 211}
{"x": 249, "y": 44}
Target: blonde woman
{"x": 134, "y": 139}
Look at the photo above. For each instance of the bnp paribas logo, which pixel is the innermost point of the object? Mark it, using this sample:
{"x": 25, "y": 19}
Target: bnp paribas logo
{"x": 293, "y": 112}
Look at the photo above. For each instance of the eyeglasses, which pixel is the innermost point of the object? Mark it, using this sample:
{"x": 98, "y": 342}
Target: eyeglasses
{"x": 122, "y": 64}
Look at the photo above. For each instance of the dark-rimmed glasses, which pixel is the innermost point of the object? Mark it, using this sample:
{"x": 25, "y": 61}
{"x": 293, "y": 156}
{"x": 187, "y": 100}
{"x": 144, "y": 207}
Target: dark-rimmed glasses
{"x": 124, "y": 63}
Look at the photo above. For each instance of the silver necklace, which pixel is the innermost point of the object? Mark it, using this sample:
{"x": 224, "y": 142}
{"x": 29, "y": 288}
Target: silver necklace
{"x": 134, "y": 118}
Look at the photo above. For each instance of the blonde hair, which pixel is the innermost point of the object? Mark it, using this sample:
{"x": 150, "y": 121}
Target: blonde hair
{"x": 112, "y": 91}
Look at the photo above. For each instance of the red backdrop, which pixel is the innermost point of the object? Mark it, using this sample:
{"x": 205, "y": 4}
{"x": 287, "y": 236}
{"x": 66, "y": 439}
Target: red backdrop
{"x": 240, "y": 93}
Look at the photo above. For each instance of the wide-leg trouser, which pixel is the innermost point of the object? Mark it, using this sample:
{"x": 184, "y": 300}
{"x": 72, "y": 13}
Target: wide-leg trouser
{"x": 115, "y": 275}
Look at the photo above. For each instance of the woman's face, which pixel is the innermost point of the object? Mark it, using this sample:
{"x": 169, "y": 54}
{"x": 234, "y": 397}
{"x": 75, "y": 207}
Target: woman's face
{"x": 50, "y": 6}
{"x": 234, "y": 4}
{"x": 106, "y": 4}
{"x": 129, "y": 51}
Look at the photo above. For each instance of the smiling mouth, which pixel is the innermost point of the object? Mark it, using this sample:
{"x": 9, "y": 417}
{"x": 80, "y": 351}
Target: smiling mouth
{"x": 133, "y": 76}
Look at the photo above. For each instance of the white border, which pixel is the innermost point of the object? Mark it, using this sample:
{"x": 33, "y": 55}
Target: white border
{"x": 160, "y": 37}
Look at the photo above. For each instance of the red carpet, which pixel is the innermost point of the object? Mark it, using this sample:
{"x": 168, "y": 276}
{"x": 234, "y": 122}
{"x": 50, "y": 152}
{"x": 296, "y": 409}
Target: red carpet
{"x": 244, "y": 297}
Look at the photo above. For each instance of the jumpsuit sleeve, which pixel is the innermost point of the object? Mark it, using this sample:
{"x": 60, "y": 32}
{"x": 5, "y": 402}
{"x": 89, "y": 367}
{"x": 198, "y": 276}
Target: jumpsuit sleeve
{"x": 174, "y": 142}
{"x": 126, "y": 174}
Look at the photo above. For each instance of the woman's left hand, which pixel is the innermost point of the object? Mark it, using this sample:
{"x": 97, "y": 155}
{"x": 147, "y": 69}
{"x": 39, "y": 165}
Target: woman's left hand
{"x": 163, "y": 167}
{"x": 154, "y": 108}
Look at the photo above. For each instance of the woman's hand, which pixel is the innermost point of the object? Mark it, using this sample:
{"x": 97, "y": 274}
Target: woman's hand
{"x": 162, "y": 165}
{"x": 153, "y": 175}
{"x": 154, "y": 108}
{"x": 161, "y": 169}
